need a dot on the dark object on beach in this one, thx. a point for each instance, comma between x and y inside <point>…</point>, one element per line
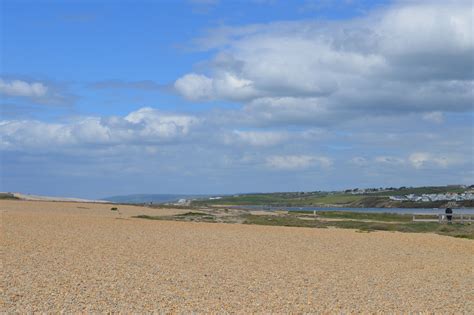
<point>449,215</point>
<point>114,209</point>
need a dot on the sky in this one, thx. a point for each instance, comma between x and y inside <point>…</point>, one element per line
<point>101,98</point>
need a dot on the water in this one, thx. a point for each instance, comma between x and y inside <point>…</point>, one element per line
<point>366,210</point>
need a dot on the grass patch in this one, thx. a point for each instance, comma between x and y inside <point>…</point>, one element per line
<point>194,214</point>
<point>339,199</point>
<point>283,199</point>
<point>455,230</point>
<point>388,217</point>
<point>421,190</point>
<point>281,221</point>
<point>362,222</point>
<point>149,217</point>
<point>189,216</point>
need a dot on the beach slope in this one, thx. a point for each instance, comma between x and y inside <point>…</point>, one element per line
<point>73,257</point>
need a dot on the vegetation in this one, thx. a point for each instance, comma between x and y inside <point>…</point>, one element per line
<point>150,217</point>
<point>8,196</point>
<point>421,190</point>
<point>283,199</point>
<point>400,225</point>
<point>374,197</point>
<point>365,222</point>
<point>189,216</point>
<point>386,217</point>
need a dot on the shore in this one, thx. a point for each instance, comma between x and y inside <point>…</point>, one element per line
<point>83,257</point>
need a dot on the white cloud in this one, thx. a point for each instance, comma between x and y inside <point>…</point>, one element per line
<point>435,117</point>
<point>308,94</point>
<point>408,57</point>
<point>424,159</point>
<point>197,87</point>
<point>269,138</point>
<point>36,91</point>
<point>419,159</point>
<point>293,162</point>
<point>389,160</point>
<point>288,110</point>
<point>156,123</point>
<point>255,138</point>
<point>22,88</point>
<point>194,87</point>
<point>142,127</point>
<point>424,27</point>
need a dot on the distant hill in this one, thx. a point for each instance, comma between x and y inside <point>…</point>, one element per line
<point>147,198</point>
<point>354,198</point>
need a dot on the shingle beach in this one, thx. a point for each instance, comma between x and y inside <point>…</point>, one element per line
<point>79,257</point>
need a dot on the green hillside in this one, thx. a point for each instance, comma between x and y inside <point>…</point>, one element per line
<point>370,198</point>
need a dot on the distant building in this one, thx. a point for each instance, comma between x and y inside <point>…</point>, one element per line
<point>183,202</point>
<point>435,197</point>
<point>398,198</point>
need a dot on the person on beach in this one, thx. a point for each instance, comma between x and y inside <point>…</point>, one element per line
<point>449,214</point>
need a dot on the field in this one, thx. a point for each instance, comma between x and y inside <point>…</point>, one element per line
<point>286,199</point>
<point>81,257</point>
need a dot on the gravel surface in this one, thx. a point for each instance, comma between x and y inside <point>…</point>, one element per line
<point>58,256</point>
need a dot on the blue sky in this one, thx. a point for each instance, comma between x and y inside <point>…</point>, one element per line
<point>113,97</point>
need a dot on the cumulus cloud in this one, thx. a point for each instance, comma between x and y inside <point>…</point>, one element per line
<point>197,87</point>
<point>22,88</point>
<point>255,138</point>
<point>408,57</point>
<point>142,127</point>
<point>38,92</point>
<point>434,37</point>
<point>194,87</point>
<point>277,112</point>
<point>268,138</point>
<point>309,95</point>
<point>417,160</point>
<point>293,162</point>
<point>289,110</point>
<point>423,159</point>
